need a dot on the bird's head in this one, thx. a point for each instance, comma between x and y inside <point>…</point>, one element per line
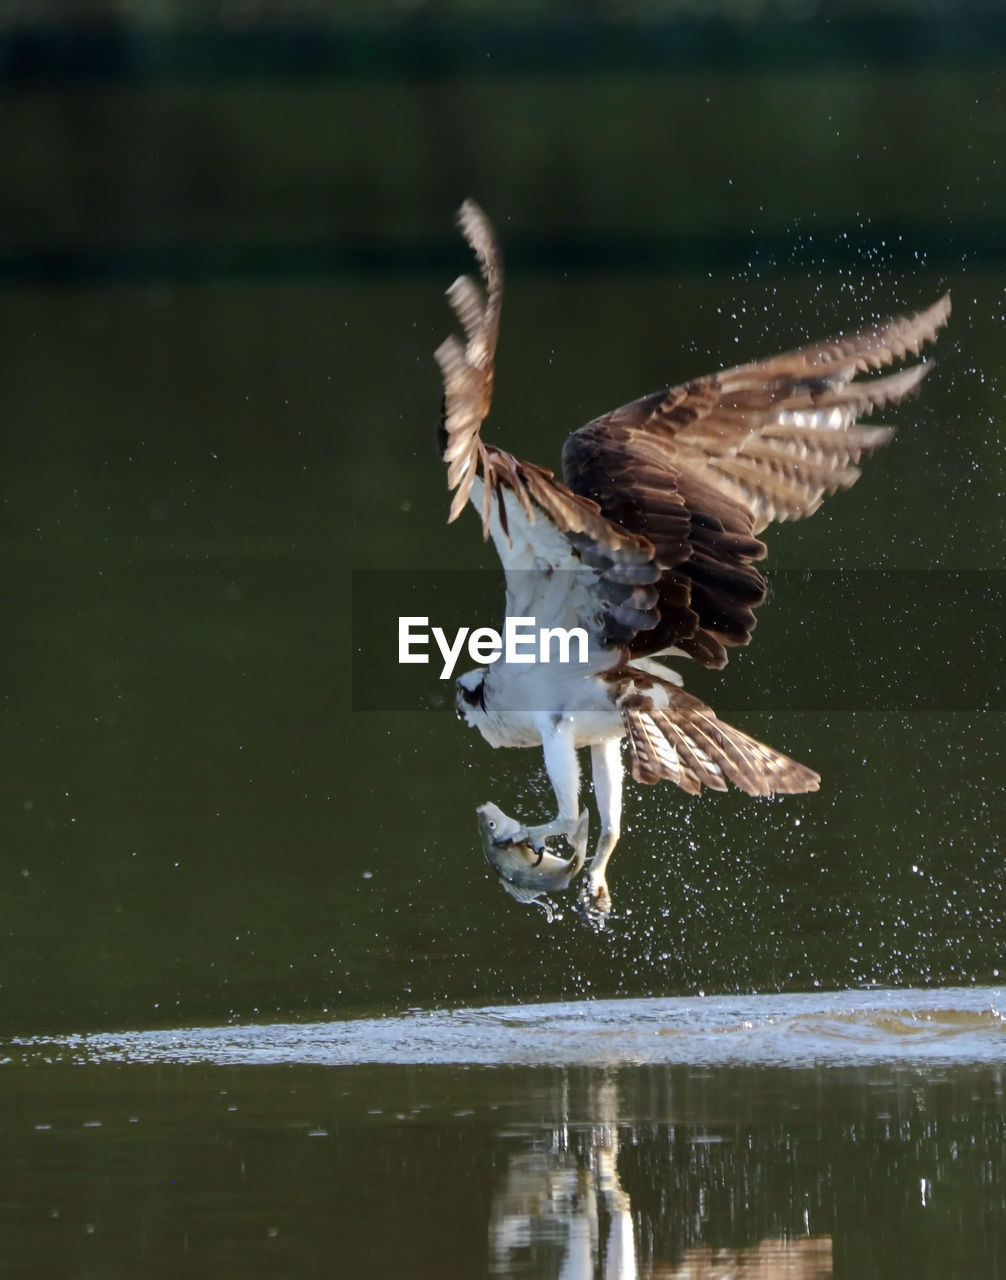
<point>470,702</point>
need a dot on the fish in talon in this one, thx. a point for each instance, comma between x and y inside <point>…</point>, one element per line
<point>525,871</point>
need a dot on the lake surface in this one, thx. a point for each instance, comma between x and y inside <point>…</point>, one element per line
<point>764,1136</point>
<point>264,1012</point>
<point>937,1025</point>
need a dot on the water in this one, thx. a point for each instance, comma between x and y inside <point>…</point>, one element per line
<point>263,1010</point>
<point>767,1136</point>
<point>940,1026</point>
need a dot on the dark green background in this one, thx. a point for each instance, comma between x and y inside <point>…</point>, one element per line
<point>224,241</point>
<point>219,399</point>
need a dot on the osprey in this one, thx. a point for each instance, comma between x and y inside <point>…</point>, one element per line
<point>650,546</point>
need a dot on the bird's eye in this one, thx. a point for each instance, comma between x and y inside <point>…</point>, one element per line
<point>474,697</point>
<point>492,825</point>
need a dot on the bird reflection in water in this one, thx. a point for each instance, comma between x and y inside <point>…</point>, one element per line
<point>561,1211</point>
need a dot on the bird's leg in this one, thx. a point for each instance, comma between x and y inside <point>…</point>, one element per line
<point>563,770</point>
<point>606,766</point>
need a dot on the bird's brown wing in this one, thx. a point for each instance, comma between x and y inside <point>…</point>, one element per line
<point>675,736</point>
<point>467,367</point>
<point>700,469</point>
<point>622,558</point>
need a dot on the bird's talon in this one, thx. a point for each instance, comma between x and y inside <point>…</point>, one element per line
<point>594,903</point>
<point>523,836</point>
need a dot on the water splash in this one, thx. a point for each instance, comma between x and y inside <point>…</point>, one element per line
<point>949,1025</point>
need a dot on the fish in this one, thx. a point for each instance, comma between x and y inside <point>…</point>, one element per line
<point>526,872</point>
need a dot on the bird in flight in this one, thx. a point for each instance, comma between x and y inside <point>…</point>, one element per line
<point>650,546</point>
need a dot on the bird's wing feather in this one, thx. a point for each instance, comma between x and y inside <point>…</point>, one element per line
<point>522,506</point>
<point>674,735</point>
<point>467,366</point>
<point>665,496</point>
<point>700,469</point>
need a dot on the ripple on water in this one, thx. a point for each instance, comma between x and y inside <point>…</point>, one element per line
<point>951,1025</point>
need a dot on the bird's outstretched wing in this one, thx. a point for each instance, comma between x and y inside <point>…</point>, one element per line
<point>700,469</point>
<point>467,367</point>
<point>674,735</point>
<point>522,504</point>
<point>665,496</point>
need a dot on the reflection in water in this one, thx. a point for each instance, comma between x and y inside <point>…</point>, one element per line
<point>542,1173</point>
<point>802,1259</point>
<point>562,1211</point>
<point>566,1203</point>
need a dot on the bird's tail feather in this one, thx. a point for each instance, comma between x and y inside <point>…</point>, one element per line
<point>675,736</point>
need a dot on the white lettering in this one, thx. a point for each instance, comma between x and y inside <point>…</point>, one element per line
<point>521,642</point>
<point>451,653</point>
<point>406,640</point>
<point>513,638</point>
<point>565,636</point>
<point>485,645</point>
